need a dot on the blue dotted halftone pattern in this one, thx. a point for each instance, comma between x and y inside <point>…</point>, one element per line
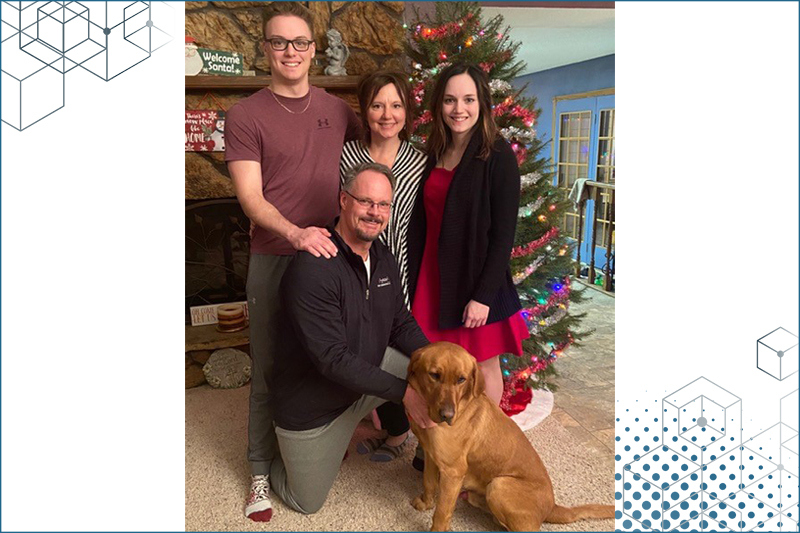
<point>701,485</point>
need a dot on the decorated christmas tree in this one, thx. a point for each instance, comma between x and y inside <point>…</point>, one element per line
<point>541,261</point>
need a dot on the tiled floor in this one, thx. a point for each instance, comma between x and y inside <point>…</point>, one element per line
<point>584,402</point>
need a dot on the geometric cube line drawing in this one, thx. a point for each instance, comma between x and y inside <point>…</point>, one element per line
<point>44,40</point>
<point>767,481</point>
<point>776,353</point>
<point>62,26</point>
<point>56,33</point>
<point>110,27</point>
<point>770,488</point>
<point>704,421</point>
<point>715,480</point>
<point>31,90</point>
<point>789,434</point>
<point>704,417</point>
<point>687,482</point>
<point>662,489</point>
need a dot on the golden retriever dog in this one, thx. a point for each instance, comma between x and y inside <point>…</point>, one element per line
<point>477,448</point>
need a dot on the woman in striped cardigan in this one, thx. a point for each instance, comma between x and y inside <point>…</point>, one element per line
<point>384,99</point>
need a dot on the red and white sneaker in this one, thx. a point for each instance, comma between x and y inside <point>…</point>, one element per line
<point>258,506</point>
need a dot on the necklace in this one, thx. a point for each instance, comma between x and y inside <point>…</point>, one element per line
<point>289,110</point>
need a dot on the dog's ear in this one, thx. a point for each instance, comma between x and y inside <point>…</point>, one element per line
<point>478,385</point>
<point>415,357</point>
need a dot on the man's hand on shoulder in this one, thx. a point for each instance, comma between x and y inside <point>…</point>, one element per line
<point>313,240</point>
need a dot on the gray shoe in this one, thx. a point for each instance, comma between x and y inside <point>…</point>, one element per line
<point>385,453</point>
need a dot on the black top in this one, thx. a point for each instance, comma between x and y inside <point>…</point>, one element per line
<point>480,218</point>
<point>337,330</point>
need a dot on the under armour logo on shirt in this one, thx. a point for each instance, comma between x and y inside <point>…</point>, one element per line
<point>323,123</point>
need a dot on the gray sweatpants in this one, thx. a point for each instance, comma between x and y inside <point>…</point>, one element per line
<point>264,276</point>
<point>309,460</point>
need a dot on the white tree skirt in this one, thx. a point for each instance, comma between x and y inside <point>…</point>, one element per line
<point>541,405</point>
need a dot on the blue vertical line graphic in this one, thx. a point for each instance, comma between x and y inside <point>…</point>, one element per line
<point>1,284</point>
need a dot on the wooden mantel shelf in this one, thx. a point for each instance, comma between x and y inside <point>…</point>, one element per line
<point>259,82</point>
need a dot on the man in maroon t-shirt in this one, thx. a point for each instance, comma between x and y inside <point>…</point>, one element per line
<point>282,146</point>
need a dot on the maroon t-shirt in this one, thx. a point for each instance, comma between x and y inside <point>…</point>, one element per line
<point>299,156</point>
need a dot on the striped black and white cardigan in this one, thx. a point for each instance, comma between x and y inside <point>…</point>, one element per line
<point>407,169</point>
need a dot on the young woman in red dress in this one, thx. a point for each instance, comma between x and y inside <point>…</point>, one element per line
<point>462,228</point>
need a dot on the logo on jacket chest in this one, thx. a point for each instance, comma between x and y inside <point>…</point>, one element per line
<point>323,123</point>
<point>384,282</point>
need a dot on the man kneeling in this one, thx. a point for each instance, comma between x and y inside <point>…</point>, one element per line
<point>335,368</point>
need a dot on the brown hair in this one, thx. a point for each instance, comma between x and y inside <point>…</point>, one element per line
<point>368,88</point>
<point>278,9</point>
<point>441,137</point>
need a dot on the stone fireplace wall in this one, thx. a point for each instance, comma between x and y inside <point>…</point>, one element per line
<point>372,30</point>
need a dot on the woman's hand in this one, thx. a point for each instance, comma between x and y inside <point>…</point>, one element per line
<point>475,314</point>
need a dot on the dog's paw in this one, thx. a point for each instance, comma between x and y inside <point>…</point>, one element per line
<point>421,504</point>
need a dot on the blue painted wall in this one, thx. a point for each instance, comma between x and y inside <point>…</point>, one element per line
<point>582,77</point>
<point>591,75</point>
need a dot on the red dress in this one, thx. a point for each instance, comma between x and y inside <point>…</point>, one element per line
<point>483,343</point>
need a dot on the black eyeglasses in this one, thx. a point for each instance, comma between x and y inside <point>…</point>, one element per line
<point>367,203</point>
<point>279,44</point>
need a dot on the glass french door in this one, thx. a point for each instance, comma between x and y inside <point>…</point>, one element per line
<point>584,148</point>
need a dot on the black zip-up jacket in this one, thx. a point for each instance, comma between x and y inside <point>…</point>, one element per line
<point>477,235</point>
<point>337,330</point>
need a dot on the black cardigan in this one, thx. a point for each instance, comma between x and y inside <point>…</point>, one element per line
<point>480,218</point>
